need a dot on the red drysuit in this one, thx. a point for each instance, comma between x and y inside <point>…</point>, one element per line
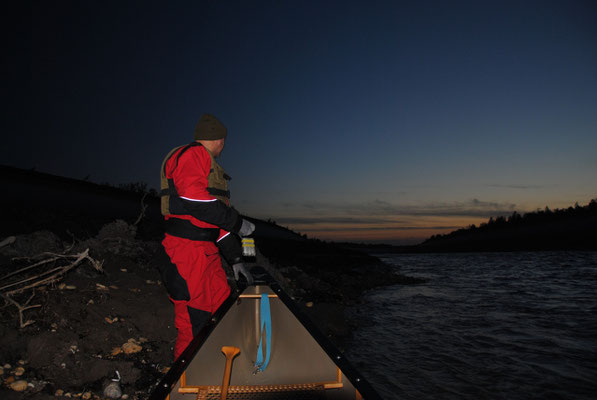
<point>198,219</point>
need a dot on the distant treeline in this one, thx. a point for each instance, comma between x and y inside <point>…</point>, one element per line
<point>572,228</point>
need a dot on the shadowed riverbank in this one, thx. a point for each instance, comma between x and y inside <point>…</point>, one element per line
<point>88,323</point>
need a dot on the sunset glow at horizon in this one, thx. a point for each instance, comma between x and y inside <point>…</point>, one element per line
<point>347,120</point>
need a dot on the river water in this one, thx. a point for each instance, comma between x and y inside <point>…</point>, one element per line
<point>483,326</point>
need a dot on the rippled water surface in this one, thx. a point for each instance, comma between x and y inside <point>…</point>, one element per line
<point>484,326</point>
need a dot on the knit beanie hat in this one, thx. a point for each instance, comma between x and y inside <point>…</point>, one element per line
<point>209,128</point>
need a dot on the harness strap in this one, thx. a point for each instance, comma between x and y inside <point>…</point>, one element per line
<point>226,176</point>
<point>266,324</point>
<point>218,192</point>
<point>185,148</point>
<point>185,229</point>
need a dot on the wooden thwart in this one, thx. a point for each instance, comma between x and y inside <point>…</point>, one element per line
<point>203,391</point>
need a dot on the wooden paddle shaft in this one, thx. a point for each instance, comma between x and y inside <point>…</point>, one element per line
<point>230,352</point>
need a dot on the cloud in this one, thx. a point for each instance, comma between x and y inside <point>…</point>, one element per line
<point>334,220</point>
<point>380,229</point>
<point>521,187</point>
<point>471,208</point>
<point>382,221</point>
<point>379,210</point>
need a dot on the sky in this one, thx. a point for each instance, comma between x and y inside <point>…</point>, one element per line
<point>368,121</point>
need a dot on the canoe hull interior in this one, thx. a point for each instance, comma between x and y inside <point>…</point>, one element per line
<point>299,367</point>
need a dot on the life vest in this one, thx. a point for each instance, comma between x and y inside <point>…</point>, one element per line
<point>171,203</point>
<point>217,183</point>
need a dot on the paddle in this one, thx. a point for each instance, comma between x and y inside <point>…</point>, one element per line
<point>230,352</point>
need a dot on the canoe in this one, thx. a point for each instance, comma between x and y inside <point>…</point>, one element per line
<point>234,357</point>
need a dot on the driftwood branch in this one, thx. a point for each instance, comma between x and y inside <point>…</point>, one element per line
<point>7,241</point>
<point>143,209</point>
<point>28,268</point>
<point>44,277</point>
<point>22,308</point>
<point>50,276</point>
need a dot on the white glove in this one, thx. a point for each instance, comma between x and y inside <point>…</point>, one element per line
<point>240,267</point>
<point>247,228</point>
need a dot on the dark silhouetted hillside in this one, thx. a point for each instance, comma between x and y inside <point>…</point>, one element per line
<point>35,201</point>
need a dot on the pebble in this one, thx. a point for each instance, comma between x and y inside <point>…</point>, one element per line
<point>131,347</point>
<point>86,396</point>
<point>18,386</point>
<point>113,390</point>
<point>70,287</point>
<point>124,396</point>
<point>62,286</point>
<point>19,371</point>
<point>9,380</point>
<point>22,362</point>
<point>7,366</point>
<point>309,304</point>
<point>58,392</point>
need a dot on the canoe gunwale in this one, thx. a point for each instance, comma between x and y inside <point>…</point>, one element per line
<point>357,380</point>
<point>183,361</point>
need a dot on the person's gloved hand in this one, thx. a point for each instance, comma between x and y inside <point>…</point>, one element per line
<point>247,228</point>
<point>240,267</point>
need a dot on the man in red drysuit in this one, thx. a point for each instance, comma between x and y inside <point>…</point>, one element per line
<point>199,224</point>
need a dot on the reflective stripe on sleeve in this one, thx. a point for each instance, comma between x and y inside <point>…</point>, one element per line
<point>189,199</point>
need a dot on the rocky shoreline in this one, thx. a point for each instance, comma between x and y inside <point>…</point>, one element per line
<point>93,326</point>
<point>89,323</point>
